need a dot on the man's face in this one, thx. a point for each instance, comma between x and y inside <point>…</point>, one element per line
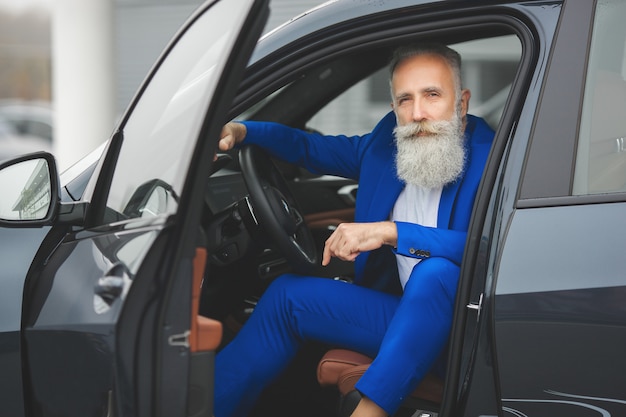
<point>423,89</point>
<point>429,135</point>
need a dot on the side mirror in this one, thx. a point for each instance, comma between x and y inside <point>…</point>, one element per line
<point>150,199</point>
<point>29,191</point>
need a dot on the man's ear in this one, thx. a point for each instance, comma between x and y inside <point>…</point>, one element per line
<point>465,98</point>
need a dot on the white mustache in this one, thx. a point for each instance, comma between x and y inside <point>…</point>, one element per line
<point>427,127</point>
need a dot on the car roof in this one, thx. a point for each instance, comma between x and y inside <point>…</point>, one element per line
<point>334,12</point>
<point>298,42</point>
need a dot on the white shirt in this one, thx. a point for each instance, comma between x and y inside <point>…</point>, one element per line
<point>415,205</point>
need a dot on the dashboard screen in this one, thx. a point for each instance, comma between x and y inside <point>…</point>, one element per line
<point>224,189</point>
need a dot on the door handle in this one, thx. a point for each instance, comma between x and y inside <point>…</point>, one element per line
<point>476,306</point>
<point>111,285</point>
<point>109,288</point>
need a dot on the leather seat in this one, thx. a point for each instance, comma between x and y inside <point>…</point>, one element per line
<point>343,368</point>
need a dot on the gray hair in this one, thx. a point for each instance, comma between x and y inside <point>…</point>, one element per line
<point>452,58</point>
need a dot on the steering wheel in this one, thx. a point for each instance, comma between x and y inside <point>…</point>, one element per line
<point>274,209</point>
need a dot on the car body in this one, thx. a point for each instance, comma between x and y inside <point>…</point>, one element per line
<point>100,313</point>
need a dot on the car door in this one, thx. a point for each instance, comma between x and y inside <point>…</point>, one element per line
<point>551,323</point>
<point>560,321</point>
<point>107,313</point>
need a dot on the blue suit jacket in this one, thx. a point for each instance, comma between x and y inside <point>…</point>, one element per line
<point>369,159</point>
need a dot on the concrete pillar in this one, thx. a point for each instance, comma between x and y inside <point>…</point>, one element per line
<point>83,80</point>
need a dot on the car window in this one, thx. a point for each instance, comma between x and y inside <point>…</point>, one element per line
<point>489,67</point>
<point>601,155</point>
<point>159,136</point>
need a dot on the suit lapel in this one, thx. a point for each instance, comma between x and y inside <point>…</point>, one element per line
<point>448,196</point>
<point>451,191</point>
<point>385,193</point>
<point>389,187</point>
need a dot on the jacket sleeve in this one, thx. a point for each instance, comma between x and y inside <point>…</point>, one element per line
<point>423,242</point>
<point>332,155</point>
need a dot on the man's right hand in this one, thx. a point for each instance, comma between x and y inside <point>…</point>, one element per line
<point>350,239</point>
<point>232,134</point>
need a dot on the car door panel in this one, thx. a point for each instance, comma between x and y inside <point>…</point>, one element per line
<point>70,326</point>
<point>554,343</point>
<point>17,249</point>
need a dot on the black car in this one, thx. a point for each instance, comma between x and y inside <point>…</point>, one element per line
<point>121,280</point>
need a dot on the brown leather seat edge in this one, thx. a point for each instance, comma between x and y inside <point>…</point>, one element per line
<point>343,368</point>
<point>206,333</point>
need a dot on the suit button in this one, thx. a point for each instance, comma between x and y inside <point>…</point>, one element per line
<point>412,251</point>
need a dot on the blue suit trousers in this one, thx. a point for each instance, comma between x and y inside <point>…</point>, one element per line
<point>405,334</point>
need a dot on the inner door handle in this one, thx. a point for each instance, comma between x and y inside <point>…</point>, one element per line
<point>111,285</point>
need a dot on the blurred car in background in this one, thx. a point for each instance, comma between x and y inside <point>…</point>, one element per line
<point>25,127</point>
<point>29,118</point>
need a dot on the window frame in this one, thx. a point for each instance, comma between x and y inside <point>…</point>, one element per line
<point>561,100</point>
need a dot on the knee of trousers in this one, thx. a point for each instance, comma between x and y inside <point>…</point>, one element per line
<point>283,286</point>
<point>433,277</point>
<point>282,295</point>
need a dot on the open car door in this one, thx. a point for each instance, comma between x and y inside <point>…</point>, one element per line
<point>108,319</point>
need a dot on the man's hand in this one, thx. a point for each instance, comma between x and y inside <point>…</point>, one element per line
<point>232,134</point>
<point>350,239</point>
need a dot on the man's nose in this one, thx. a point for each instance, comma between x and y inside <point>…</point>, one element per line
<point>419,112</point>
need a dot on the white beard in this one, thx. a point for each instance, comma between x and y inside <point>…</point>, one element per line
<point>434,160</point>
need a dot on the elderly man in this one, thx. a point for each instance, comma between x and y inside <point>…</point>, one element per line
<point>418,174</point>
